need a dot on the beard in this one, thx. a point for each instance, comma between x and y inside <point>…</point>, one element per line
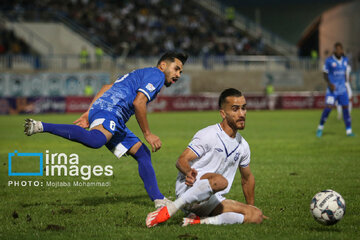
<point>235,125</point>
<point>167,75</point>
<point>167,84</point>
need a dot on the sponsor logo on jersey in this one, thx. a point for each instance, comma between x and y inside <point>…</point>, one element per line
<point>219,149</point>
<point>150,87</point>
<point>339,72</point>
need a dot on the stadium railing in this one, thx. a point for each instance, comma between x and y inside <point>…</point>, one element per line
<point>84,33</point>
<point>67,62</point>
<point>252,28</point>
<point>52,16</point>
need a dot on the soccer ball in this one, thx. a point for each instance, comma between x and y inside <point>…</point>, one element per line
<point>327,207</point>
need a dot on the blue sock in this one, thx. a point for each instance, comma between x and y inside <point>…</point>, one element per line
<point>347,118</point>
<point>147,173</point>
<point>93,138</point>
<point>324,115</point>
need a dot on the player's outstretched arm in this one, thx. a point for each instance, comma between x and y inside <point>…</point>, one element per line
<point>248,184</point>
<point>183,166</point>
<point>83,120</point>
<point>140,114</point>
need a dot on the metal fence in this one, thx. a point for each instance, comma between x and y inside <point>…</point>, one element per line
<point>72,62</point>
<point>254,29</point>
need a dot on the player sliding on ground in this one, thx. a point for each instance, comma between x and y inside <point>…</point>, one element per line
<point>207,169</point>
<point>111,109</point>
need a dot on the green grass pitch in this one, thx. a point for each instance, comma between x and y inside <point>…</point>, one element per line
<point>289,163</point>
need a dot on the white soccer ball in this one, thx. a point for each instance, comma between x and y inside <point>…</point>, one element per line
<point>327,207</point>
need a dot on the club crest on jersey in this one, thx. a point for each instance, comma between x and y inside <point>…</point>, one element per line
<point>219,149</point>
<point>150,87</point>
<point>334,64</point>
<point>237,155</point>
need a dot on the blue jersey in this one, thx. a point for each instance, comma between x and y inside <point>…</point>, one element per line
<point>336,70</point>
<point>120,97</point>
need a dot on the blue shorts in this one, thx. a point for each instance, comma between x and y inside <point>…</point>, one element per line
<point>122,140</point>
<point>342,99</point>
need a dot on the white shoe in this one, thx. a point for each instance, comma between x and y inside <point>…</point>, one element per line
<point>161,202</point>
<point>32,127</point>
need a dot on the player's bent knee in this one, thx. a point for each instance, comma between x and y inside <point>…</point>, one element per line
<point>142,155</point>
<point>96,139</point>
<point>222,183</point>
<point>96,146</point>
<point>134,149</point>
<point>218,182</point>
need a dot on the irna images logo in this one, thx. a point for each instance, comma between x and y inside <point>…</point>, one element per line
<point>10,163</point>
<point>56,164</point>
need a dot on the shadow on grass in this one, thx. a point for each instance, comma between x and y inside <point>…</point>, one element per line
<point>142,200</point>
<point>25,205</point>
<point>324,229</point>
<point>329,133</point>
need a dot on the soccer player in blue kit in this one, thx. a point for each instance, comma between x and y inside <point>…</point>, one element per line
<point>335,70</point>
<point>112,107</point>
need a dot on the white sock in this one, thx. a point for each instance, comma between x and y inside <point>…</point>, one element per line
<point>224,218</point>
<point>175,206</point>
<point>200,191</point>
<point>339,111</point>
<point>350,107</point>
<point>321,127</point>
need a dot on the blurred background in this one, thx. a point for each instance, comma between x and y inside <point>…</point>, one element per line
<point>55,55</point>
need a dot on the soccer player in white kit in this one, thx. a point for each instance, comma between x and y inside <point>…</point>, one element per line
<point>207,169</point>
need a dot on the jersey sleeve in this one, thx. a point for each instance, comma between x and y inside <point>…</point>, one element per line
<point>151,85</point>
<point>327,66</point>
<point>199,144</point>
<point>245,159</point>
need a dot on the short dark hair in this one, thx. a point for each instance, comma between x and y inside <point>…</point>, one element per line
<point>170,56</point>
<point>230,92</point>
<point>338,44</point>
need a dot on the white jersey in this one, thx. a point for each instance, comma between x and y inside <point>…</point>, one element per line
<point>217,153</point>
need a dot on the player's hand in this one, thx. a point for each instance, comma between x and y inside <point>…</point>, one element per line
<point>83,120</point>
<point>332,87</point>
<point>154,141</point>
<point>191,177</point>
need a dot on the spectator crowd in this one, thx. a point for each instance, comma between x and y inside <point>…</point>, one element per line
<point>148,26</point>
<point>10,44</point>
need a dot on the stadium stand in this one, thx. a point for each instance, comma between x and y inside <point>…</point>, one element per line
<point>150,26</point>
<point>11,44</point>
